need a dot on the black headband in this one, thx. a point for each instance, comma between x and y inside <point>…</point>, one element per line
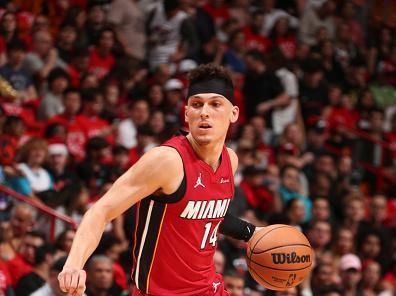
<point>215,85</point>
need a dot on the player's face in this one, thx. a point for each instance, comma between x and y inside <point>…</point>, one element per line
<point>209,116</point>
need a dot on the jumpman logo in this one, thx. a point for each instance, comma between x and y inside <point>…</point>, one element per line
<point>199,182</point>
<point>215,285</point>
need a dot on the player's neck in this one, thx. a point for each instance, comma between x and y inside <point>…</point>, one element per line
<point>210,153</point>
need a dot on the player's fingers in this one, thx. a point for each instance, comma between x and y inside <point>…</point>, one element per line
<point>61,281</point>
<point>67,280</point>
<point>81,283</point>
<point>74,281</point>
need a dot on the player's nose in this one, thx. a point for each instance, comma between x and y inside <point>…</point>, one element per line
<point>204,111</point>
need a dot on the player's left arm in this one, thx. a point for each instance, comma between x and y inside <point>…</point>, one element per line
<point>233,226</point>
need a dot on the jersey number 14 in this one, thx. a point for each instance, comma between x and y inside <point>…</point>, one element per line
<point>213,236</point>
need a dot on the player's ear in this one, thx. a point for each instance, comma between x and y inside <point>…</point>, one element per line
<point>186,113</point>
<point>234,114</point>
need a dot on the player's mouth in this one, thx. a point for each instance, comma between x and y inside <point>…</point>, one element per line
<point>204,126</point>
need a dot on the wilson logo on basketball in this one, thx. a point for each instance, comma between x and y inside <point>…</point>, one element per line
<point>282,258</point>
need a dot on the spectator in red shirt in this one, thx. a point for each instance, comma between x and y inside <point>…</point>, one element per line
<point>23,261</point>
<point>254,38</point>
<point>101,58</point>
<point>79,66</point>
<point>282,37</point>
<point>13,129</point>
<point>90,119</point>
<point>218,10</point>
<point>75,137</point>
<point>257,195</point>
<point>5,279</point>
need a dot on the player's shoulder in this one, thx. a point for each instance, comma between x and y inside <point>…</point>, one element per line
<point>163,155</point>
<point>233,158</point>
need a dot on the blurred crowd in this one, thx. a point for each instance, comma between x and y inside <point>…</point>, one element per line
<point>88,86</point>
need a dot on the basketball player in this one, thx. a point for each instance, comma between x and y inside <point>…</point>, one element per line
<point>182,190</point>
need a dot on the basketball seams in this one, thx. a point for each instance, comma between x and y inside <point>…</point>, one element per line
<point>282,226</point>
<point>270,249</point>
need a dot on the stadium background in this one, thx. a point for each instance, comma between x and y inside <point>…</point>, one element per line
<point>87,86</point>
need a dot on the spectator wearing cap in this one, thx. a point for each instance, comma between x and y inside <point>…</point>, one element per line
<point>351,272</point>
<point>174,104</point>
<point>15,74</point>
<point>51,104</point>
<point>58,166</point>
<point>138,115</point>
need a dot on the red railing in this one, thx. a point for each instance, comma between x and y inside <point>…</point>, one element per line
<point>41,207</point>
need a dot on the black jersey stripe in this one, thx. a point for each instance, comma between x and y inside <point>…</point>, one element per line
<point>143,208</point>
<point>147,255</point>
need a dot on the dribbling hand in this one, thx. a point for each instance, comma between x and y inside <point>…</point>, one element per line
<point>72,281</point>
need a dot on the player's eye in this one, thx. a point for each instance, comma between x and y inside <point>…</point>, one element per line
<point>196,104</point>
<point>216,104</point>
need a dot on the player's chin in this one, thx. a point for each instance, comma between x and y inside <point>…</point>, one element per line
<point>203,139</point>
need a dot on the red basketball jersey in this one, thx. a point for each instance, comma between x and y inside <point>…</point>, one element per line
<point>175,235</point>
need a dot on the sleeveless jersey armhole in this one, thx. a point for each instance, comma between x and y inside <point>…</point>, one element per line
<point>180,191</point>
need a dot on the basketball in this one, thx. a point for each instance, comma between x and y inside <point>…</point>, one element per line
<point>279,257</point>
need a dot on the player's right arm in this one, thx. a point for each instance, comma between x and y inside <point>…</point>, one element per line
<point>159,169</point>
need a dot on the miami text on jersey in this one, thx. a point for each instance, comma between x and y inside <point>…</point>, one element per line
<point>206,209</point>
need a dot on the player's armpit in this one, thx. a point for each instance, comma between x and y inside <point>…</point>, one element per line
<point>159,169</point>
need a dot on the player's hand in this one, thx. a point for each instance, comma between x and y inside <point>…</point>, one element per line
<point>72,281</point>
